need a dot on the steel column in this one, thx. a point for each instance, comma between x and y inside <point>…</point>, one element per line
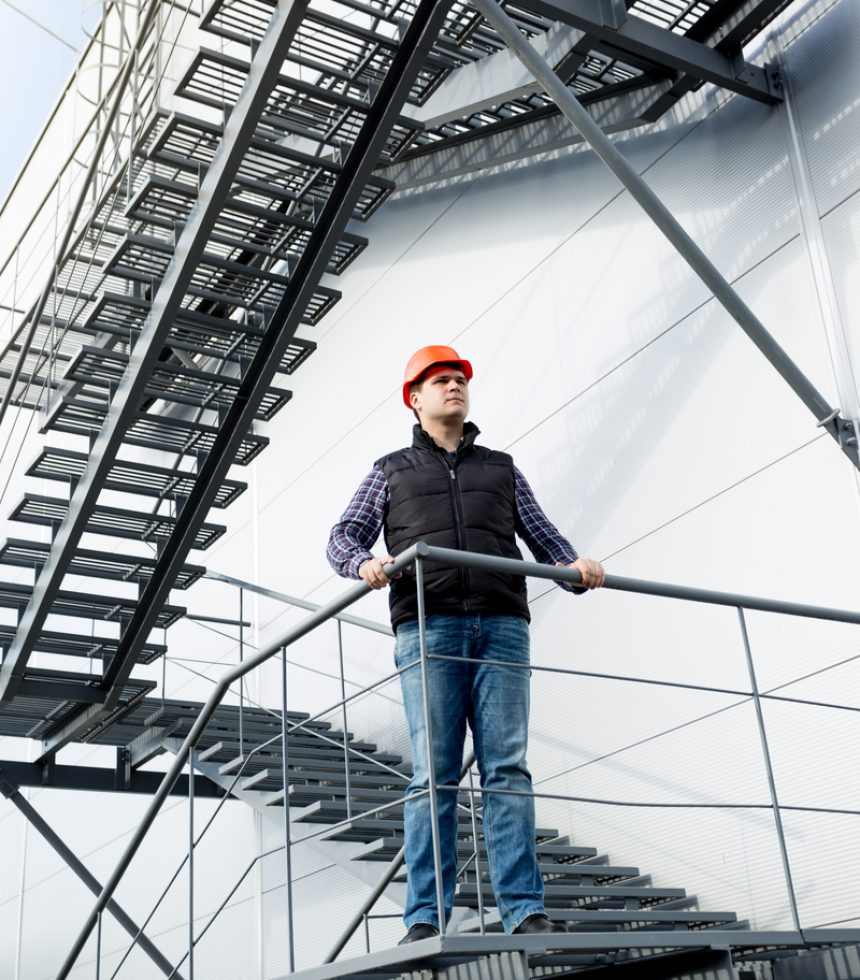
<point>825,415</point>
<point>238,133</point>
<point>34,818</point>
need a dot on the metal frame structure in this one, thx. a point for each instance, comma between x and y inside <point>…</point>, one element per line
<point>188,267</point>
<point>180,297</point>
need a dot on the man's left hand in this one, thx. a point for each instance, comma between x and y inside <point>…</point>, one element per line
<point>591,571</point>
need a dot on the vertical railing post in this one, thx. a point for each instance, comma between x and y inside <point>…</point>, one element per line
<point>343,711</point>
<point>242,678</point>
<point>777,816</point>
<point>477,849</point>
<point>285,770</point>
<point>428,730</point>
<point>366,931</point>
<point>99,947</point>
<point>191,865</point>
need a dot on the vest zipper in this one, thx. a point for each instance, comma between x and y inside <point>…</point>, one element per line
<point>460,528</point>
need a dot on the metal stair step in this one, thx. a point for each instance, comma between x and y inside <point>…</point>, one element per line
<point>570,874</point>
<point>84,605</point>
<point>215,78</point>
<point>116,522</point>
<point>193,331</point>
<point>47,698</point>
<point>555,895</point>
<point>98,564</point>
<point>242,224</point>
<point>165,433</point>
<point>370,828</point>
<point>272,170</point>
<point>256,721</point>
<point>143,479</point>
<point>216,279</point>
<point>97,371</point>
<point>654,917</point>
<point>69,644</point>
<point>384,849</point>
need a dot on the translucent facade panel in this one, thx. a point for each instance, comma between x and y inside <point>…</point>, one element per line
<point>816,35</point>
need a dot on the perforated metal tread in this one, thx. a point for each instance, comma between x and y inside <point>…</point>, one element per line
<point>116,522</point>
<point>243,225</point>
<point>273,172</point>
<point>98,370</point>
<point>80,645</point>
<point>97,564</point>
<point>194,332</point>
<point>85,605</point>
<point>51,697</point>
<point>149,431</point>
<point>129,476</point>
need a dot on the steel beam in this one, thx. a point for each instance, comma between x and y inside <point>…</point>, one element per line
<point>630,35</point>
<point>493,145</point>
<point>12,793</point>
<point>825,415</point>
<point>98,779</point>
<point>356,170</point>
<point>238,133</point>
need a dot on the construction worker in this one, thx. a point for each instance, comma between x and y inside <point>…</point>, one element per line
<point>447,491</point>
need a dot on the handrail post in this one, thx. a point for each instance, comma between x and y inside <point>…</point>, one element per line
<point>477,855</point>
<point>99,947</point>
<point>777,817</point>
<point>343,712</point>
<point>428,732</point>
<point>191,864</point>
<point>285,771</point>
<point>242,678</point>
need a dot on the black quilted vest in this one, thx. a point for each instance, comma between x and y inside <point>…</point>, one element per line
<point>467,503</point>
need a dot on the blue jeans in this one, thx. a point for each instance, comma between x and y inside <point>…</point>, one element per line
<point>495,702</point>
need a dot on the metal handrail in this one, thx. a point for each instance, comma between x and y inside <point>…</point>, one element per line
<point>291,600</point>
<point>418,551</point>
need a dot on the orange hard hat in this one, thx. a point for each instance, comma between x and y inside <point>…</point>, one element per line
<point>422,360</point>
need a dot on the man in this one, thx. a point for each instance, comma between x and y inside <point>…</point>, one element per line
<point>450,492</point>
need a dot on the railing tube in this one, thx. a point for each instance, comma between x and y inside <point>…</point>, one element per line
<point>346,772</point>
<point>285,770</point>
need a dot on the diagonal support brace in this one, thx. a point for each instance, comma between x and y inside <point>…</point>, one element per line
<point>12,793</point>
<point>842,430</point>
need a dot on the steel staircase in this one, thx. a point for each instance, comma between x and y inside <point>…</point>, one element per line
<point>168,332</point>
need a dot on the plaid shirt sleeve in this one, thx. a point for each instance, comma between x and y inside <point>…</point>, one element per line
<point>543,538</point>
<point>359,527</point>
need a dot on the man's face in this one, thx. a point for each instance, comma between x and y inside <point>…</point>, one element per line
<point>442,396</point>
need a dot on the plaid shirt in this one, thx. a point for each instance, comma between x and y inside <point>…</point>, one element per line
<point>360,525</point>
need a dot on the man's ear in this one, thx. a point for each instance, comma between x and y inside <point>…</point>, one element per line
<point>414,399</point>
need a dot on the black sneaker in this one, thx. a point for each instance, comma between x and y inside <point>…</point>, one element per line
<point>537,924</point>
<point>421,930</point>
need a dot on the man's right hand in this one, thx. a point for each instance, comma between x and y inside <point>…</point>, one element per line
<point>372,573</point>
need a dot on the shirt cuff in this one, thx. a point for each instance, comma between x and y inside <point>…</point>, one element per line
<point>356,561</point>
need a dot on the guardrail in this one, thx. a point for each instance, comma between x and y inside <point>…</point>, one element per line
<point>418,554</point>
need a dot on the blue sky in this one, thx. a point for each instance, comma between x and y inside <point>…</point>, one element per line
<point>34,68</point>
